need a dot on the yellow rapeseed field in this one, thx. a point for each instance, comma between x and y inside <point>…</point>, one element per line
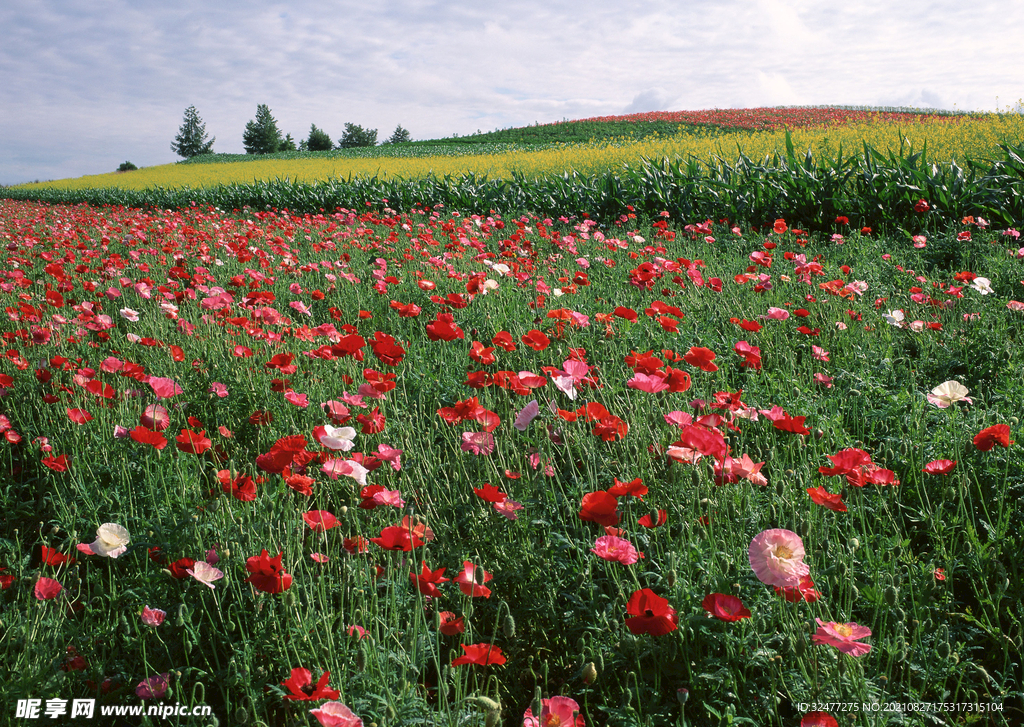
<point>955,138</point>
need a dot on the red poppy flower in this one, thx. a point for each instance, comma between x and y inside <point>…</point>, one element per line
<point>751,355</point>
<point>503,340</point>
<point>443,328</point>
<point>821,496</point>
<point>79,416</point>
<point>989,437</point>
<point>373,423</point>
<point>651,614</point>
<point>384,347</point>
<point>302,689</point>
<point>320,520</point>
<point>395,537</point>
<point>241,487</point>
<point>804,591</point>
<point>267,574</point>
<point>427,580</point>
<point>57,464</point>
<point>600,507</point>
<point>450,625</point>
<point>818,719</point>
<point>483,356</point>
<point>490,493</point>
<point>480,654</point>
<point>281,454</point>
<point>179,568</point>
<point>193,442</point>
<point>654,522</point>
<point>468,583</point>
<point>939,467</point>
<point>725,607</point>
<point>628,313</point>
<point>791,424</point>
<point>49,556</point>
<point>635,487</point>
<point>146,436</point>
<point>536,340</point>
<point>701,358</point>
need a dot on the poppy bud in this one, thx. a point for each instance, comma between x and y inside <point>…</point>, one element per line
<point>391,713</point>
<point>891,596</point>
<point>854,543</point>
<point>682,694</point>
<point>671,577</point>
<point>360,659</point>
<point>508,626</point>
<point>900,614</point>
<point>855,392</point>
<point>855,592</point>
<point>589,673</point>
<point>536,706</point>
<point>800,647</point>
<point>943,650</point>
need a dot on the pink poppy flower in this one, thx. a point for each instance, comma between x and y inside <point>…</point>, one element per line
<point>615,549</point>
<point>155,687</point>
<point>218,389</point>
<point>561,711</point>
<point>153,617</point>
<point>205,573</point>
<point>335,468</point>
<point>479,443</point>
<point>299,400</point>
<point>778,314</point>
<point>777,558</point>
<point>843,636</point>
<point>526,415</point>
<point>508,508</point>
<point>391,455</point>
<point>163,387</point>
<point>336,714</point>
<point>819,353</point>
<point>46,589</point>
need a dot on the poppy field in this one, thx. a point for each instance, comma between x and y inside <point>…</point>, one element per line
<point>427,467</point>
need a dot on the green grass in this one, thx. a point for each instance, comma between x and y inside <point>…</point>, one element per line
<point>555,607</point>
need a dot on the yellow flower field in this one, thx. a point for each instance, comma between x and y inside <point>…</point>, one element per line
<point>953,138</point>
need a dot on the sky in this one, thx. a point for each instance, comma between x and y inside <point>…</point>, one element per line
<point>88,84</point>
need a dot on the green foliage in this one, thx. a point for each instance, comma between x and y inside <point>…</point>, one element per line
<point>318,140</point>
<point>261,135</point>
<point>288,144</point>
<point>356,135</point>
<point>399,136</point>
<point>126,167</point>
<point>191,140</point>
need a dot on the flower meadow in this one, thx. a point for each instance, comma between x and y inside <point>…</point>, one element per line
<point>402,467</point>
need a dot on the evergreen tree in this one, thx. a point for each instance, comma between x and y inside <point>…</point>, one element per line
<point>400,136</point>
<point>318,139</point>
<point>191,139</point>
<point>262,136</point>
<point>288,144</point>
<point>357,136</point>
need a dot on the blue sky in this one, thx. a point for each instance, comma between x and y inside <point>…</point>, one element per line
<point>88,84</point>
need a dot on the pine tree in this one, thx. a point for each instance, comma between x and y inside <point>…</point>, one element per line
<point>356,135</point>
<point>318,139</point>
<point>191,139</point>
<point>400,136</point>
<point>262,136</point>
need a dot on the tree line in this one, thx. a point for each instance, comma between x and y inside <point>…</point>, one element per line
<point>262,136</point>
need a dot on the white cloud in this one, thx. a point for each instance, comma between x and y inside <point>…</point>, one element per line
<point>89,85</point>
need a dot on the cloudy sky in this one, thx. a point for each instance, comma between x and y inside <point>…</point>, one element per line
<point>88,84</point>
